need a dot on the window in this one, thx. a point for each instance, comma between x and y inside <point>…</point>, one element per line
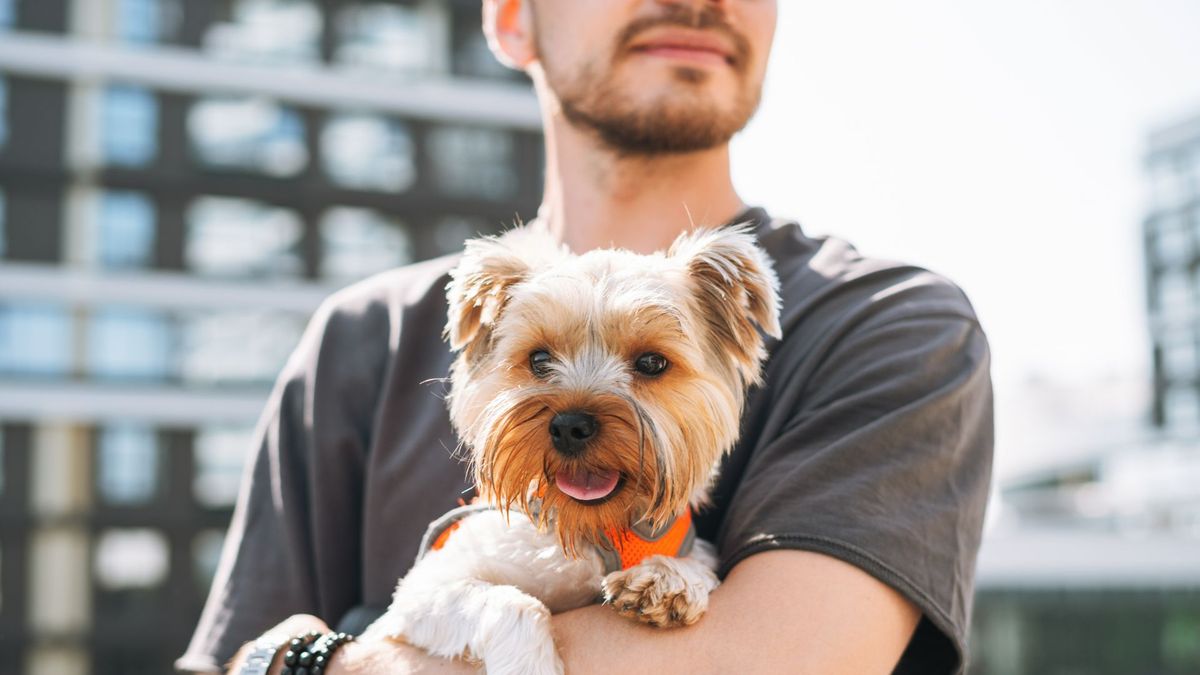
<point>125,230</point>
<point>219,453</point>
<point>242,238</point>
<point>268,32</point>
<point>127,460</point>
<point>1179,355</point>
<point>357,243</point>
<point>206,555</point>
<point>3,106</point>
<point>385,37</point>
<point>7,14</point>
<point>1169,180</point>
<point>3,220</point>
<point>131,559</point>
<point>128,343</point>
<point>236,347</point>
<point>1174,291</point>
<point>472,56</point>
<point>34,340</point>
<point>1173,241</point>
<point>146,21</point>
<point>472,162</point>
<point>249,134</point>
<point>368,152</point>
<point>129,126</point>
<point>1182,406</point>
<point>452,232</point>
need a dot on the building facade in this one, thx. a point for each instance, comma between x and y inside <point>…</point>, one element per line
<point>1172,243</point>
<point>181,183</point>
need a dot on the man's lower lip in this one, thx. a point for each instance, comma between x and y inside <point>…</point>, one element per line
<point>698,56</point>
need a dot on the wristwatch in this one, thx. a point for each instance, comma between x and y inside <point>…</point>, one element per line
<point>259,660</point>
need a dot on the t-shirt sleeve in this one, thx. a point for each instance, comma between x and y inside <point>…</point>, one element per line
<point>293,544</point>
<point>883,460</point>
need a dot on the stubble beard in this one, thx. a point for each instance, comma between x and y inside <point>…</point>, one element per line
<point>682,119</point>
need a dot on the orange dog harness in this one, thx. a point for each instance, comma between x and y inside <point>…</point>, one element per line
<point>622,548</point>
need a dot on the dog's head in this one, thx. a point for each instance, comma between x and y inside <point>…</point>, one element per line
<point>608,384</point>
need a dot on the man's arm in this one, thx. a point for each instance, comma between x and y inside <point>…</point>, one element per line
<point>777,612</point>
<point>782,611</point>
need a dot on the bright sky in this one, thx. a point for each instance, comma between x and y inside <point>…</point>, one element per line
<point>996,143</point>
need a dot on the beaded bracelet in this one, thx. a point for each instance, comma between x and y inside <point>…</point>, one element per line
<point>311,658</point>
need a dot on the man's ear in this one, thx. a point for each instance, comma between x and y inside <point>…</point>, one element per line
<point>736,291</point>
<point>508,25</point>
<point>480,283</point>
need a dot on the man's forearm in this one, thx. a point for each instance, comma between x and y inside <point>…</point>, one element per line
<point>779,612</point>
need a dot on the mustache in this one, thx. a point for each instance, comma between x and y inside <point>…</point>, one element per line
<point>684,16</point>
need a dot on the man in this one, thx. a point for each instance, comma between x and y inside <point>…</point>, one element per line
<point>847,518</point>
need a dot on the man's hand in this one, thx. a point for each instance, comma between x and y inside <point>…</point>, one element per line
<point>359,658</point>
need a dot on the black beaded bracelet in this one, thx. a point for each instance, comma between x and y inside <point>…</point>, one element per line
<point>312,657</point>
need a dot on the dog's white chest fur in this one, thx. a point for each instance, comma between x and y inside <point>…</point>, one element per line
<point>514,553</point>
<point>488,593</point>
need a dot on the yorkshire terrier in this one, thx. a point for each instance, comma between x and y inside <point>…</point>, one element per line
<point>596,394</point>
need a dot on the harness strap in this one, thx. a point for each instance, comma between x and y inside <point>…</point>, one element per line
<point>621,549</point>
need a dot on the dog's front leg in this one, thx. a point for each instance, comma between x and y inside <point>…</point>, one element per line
<point>506,629</point>
<point>664,591</point>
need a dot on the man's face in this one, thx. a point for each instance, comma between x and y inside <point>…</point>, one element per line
<point>655,76</point>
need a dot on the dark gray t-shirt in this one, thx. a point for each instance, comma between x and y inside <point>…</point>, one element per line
<point>871,441</point>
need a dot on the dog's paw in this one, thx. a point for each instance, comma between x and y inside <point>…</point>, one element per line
<point>661,591</point>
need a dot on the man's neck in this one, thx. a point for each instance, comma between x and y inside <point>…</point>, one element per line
<point>594,198</point>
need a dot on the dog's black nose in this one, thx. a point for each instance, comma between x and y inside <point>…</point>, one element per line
<point>571,431</point>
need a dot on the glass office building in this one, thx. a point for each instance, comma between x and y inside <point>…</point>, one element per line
<point>1171,233</point>
<point>1094,565</point>
<point>181,183</point>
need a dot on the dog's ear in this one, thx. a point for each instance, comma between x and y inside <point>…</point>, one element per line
<point>736,290</point>
<point>480,283</point>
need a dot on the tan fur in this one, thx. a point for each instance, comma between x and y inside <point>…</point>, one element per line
<point>701,305</point>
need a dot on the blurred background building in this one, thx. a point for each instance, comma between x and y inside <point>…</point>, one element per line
<point>1092,563</point>
<point>181,183</point>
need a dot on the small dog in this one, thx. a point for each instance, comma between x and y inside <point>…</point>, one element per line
<point>597,394</point>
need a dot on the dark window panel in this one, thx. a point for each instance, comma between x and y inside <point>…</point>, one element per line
<point>470,56</point>
<point>48,16</point>
<point>3,223</point>
<point>3,107</point>
<point>15,524</point>
<point>32,226</point>
<point>37,112</point>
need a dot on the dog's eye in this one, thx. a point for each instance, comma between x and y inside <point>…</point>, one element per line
<point>539,363</point>
<point>651,364</point>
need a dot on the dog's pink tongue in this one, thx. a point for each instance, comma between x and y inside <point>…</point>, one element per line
<point>586,485</point>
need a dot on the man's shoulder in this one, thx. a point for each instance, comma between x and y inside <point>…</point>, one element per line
<point>396,289</point>
<point>364,319</point>
<point>828,280</point>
